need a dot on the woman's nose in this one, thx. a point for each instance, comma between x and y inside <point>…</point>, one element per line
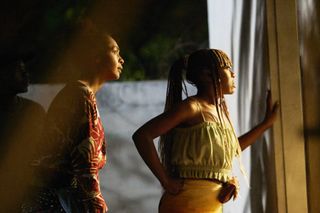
<point>121,60</point>
<point>233,75</point>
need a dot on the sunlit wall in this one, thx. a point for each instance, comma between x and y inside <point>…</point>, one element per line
<point>309,36</point>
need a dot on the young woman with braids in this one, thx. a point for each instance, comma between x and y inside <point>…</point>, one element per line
<point>198,142</point>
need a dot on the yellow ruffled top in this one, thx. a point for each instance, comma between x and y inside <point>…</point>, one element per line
<point>205,150</point>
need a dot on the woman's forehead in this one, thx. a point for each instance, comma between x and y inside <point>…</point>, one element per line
<point>111,43</point>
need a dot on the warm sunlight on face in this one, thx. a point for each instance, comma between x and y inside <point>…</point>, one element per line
<point>227,77</point>
<point>111,64</point>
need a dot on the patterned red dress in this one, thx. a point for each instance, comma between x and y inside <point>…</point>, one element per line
<point>73,151</point>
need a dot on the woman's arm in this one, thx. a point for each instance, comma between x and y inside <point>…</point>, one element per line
<point>143,139</point>
<point>271,114</point>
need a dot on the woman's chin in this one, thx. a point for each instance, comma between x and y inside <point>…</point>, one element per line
<point>230,92</point>
<point>112,77</point>
<point>117,76</point>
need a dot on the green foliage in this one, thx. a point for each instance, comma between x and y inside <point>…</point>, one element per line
<point>155,54</point>
<point>132,71</point>
<point>151,34</point>
<point>166,31</point>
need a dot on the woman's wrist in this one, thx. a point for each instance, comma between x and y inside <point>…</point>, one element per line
<point>267,123</point>
<point>164,181</point>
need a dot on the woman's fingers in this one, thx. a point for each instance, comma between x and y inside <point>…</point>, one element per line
<point>174,186</point>
<point>271,110</point>
<point>269,102</point>
<point>235,182</point>
<point>276,107</point>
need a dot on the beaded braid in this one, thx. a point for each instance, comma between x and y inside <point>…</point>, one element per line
<point>176,84</point>
<point>220,60</point>
<point>175,87</point>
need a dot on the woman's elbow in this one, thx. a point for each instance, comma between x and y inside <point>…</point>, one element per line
<point>135,136</point>
<point>141,136</point>
<point>138,136</point>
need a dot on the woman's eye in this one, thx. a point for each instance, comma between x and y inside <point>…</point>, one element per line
<point>115,51</point>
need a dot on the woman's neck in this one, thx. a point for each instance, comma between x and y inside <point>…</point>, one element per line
<point>207,94</point>
<point>93,84</point>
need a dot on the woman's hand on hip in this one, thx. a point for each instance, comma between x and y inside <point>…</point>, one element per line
<point>173,186</point>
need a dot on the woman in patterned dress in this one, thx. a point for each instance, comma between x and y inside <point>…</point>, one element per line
<point>74,146</point>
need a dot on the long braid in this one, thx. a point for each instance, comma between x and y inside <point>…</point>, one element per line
<point>221,60</point>
<point>175,87</point>
<point>217,94</point>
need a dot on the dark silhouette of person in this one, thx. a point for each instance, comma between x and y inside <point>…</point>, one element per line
<point>21,122</point>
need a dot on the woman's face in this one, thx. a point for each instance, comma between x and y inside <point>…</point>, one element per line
<point>227,77</point>
<point>110,65</point>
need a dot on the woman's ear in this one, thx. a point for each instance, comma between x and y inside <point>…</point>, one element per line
<point>97,59</point>
<point>206,73</point>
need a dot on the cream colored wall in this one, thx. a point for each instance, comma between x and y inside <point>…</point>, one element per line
<point>309,36</point>
<point>285,74</point>
<point>312,142</point>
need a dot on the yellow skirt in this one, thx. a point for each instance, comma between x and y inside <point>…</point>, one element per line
<point>198,196</point>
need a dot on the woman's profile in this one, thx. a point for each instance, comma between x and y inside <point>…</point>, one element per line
<point>74,146</point>
<point>198,142</point>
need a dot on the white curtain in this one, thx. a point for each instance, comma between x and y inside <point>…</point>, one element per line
<point>239,28</point>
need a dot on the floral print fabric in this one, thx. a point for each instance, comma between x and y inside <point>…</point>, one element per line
<point>74,151</point>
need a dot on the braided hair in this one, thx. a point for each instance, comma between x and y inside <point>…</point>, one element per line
<point>193,65</point>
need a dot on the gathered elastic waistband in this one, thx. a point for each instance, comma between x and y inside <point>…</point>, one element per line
<point>201,182</point>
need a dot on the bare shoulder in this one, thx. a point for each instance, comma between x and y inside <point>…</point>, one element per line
<point>191,107</point>
<point>186,108</point>
<point>182,114</point>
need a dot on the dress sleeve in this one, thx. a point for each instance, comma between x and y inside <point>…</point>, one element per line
<point>88,156</point>
<point>73,147</point>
